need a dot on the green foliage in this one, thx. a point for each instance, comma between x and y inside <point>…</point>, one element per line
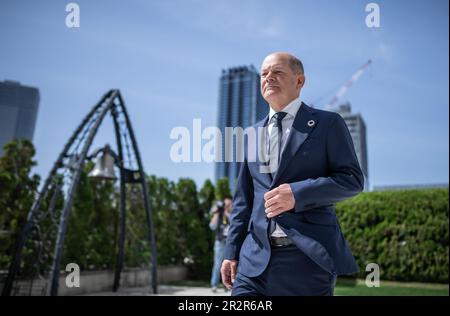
<point>137,250</point>
<point>17,190</point>
<point>193,228</point>
<point>182,232</point>
<point>222,189</point>
<point>206,196</point>
<point>405,232</point>
<point>92,229</point>
<point>162,197</point>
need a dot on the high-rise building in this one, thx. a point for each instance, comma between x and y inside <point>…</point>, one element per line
<point>357,128</point>
<point>240,105</point>
<point>18,111</point>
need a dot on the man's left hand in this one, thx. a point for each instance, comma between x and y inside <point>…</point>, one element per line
<point>279,200</point>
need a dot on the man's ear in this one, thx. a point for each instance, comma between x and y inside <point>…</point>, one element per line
<point>301,80</point>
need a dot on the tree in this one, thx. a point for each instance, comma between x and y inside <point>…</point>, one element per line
<point>206,196</point>
<point>162,200</point>
<point>223,189</point>
<point>194,229</point>
<point>206,199</point>
<point>17,192</point>
<point>92,230</point>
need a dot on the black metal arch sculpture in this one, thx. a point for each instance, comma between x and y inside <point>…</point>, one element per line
<point>39,242</point>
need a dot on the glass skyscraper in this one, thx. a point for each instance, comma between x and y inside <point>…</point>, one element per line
<point>18,111</point>
<point>240,105</point>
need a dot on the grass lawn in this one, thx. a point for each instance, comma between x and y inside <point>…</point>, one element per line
<point>390,288</point>
<point>345,287</point>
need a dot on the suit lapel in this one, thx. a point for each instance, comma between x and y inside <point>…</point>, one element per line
<point>305,121</point>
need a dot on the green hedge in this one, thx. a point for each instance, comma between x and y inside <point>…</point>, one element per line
<point>404,232</point>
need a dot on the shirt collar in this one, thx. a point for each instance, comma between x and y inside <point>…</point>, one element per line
<point>291,109</point>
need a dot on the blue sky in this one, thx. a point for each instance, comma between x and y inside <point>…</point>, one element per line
<point>166,58</point>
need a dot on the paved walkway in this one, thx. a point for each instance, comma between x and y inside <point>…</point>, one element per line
<point>165,290</point>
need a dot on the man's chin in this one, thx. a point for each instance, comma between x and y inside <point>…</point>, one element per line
<point>271,91</point>
<point>270,96</point>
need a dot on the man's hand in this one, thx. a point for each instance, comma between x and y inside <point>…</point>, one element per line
<point>228,271</point>
<point>279,200</point>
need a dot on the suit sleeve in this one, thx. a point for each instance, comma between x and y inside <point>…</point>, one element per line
<point>345,176</point>
<point>240,214</point>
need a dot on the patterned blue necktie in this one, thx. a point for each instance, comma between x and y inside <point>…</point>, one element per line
<point>275,149</point>
<point>275,141</point>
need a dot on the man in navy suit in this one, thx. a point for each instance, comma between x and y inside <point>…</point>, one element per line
<point>284,237</point>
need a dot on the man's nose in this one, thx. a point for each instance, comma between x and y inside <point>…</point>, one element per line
<point>270,78</point>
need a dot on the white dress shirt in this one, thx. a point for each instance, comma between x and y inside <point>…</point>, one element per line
<point>286,125</point>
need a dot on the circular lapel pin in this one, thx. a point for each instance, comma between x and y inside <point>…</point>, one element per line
<point>311,123</point>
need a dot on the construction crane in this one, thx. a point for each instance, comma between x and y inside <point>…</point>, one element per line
<point>344,88</point>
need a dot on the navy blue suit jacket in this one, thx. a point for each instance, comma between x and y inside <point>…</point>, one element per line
<point>320,165</point>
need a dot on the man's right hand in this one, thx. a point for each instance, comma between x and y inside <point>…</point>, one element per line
<point>228,271</point>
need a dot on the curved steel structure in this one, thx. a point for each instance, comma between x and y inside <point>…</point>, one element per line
<point>40,245</point>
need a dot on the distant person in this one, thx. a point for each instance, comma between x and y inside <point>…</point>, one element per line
<point>219,224</point>
<point>284,237</point>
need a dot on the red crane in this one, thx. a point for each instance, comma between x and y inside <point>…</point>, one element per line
<point>345,87</point>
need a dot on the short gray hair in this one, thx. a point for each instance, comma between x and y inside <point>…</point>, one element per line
<point>296,64</point>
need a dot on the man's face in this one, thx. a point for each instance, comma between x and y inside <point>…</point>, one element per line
<point>279,84</point>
